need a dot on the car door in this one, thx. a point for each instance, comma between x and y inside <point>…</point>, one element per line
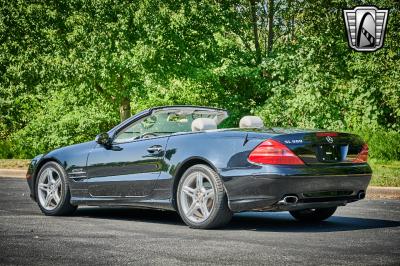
<point>128,169</point>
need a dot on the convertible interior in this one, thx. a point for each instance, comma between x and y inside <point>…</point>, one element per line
<point>169,121</point>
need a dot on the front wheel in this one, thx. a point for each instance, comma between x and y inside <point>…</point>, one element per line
<point>52,191</point>
<point>201,198</point>
<point>313,215</point>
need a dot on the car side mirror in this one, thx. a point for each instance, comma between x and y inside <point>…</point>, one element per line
<point>103,139</point>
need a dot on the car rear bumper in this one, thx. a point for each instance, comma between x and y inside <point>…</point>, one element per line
<point>254,190</point>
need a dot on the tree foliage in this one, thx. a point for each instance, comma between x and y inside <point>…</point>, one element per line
<point>72,69</point>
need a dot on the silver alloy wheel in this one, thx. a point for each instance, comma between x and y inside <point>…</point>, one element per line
<point>49,189</point>
<point>197,197</point>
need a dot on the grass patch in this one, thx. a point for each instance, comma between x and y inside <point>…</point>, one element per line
<point>385,174</point>
<point>14,163</point>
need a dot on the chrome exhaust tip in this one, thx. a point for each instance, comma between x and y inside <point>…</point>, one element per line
<point>361,195</point>
<point>288,200</point>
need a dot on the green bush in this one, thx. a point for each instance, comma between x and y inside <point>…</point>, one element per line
<point>383,145</point>
<point>6,150</point>
<point>65,120</point>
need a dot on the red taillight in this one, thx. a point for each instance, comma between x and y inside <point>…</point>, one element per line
<point>362,156</point>
<point>327,134</point>
<point>273,152</point>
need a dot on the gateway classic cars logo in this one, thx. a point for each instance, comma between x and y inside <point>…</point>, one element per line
<point>365,27</point>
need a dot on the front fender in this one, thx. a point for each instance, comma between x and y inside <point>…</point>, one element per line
<point>70,158</point>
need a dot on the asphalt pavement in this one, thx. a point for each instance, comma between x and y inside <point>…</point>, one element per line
<point>362,233</point>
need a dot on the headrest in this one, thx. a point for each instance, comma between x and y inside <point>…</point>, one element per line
<point>251,122</point>
<point>200,124</point>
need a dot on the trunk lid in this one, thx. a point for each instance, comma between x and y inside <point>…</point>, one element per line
<point>323,147</point>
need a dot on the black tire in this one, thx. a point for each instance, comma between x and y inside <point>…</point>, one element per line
<point>64,207</point>
<point>313,215</point>
<point>220,214</point>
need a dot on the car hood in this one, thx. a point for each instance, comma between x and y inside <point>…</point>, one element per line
<point>85,146</point>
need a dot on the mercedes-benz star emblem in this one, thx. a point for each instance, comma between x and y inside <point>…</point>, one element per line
<point>329,139</point>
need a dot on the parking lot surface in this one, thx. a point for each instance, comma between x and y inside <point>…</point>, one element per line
<point>362,233</point>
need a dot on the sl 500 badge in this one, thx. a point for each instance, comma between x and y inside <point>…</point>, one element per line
<point>293,141</point>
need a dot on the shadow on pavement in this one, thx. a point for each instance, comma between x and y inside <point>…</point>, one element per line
<point>130,214</point>
<point>255,221</point>
<point>283,222</point>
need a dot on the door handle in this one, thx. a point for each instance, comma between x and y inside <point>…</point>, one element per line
<point>155,149</point>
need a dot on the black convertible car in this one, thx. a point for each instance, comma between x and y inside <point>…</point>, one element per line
<point>176,158</point>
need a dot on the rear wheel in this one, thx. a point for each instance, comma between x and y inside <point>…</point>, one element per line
<point>313,215</point>
<point>201,198</point>
<point>52,192</point>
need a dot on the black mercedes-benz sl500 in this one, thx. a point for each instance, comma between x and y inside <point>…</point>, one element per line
<point>176,158</point>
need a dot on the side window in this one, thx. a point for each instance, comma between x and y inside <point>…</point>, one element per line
<point>136,130</point>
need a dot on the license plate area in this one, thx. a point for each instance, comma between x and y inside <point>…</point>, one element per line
<point>328,153</point>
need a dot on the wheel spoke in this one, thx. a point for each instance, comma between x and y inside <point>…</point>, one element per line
<point>209,194</point>
<point>47,202</point>
<point>204,210</point>
<point>188,191</point>
<point>57,183</point>
<point>50,176</point>
<point>44,187</point>
<point>56,197</point>
<point>191,209</point>
<point>199,181</point>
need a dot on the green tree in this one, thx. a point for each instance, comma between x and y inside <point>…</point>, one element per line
<point>71,69</point>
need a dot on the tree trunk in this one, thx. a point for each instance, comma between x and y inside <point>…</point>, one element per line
<point>290,22</point>
<point>264,30</point>
<point>253,9</point>
<point>125,109</point>
<point>270,24</point>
